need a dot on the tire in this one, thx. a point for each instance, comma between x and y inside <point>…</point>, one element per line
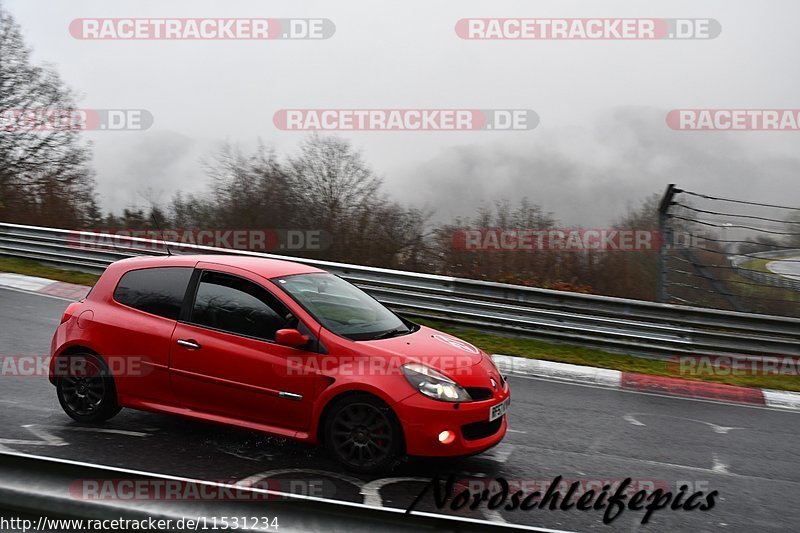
<point>86,391</point>
<point>362,433</point>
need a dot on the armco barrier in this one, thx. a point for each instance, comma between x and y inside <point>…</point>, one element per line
<point>633,326</point>
<point>38,487</point>
<point>766,278</point>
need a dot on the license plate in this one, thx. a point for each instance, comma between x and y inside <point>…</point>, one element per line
<point>496,411</point>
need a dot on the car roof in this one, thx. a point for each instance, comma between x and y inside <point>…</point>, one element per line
<point>263,266</point>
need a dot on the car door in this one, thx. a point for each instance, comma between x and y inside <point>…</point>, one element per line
<point>137,323</point>
<point>224,360</point>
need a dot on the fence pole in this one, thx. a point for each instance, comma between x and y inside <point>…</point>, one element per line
<point>665,239</point>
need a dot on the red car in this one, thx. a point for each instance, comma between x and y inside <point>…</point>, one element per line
<point>278,347</point>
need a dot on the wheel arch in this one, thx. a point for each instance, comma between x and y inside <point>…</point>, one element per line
<point>74,349</point>
<point>333,400</point>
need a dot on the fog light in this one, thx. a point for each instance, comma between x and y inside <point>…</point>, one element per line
<point>446,437</point>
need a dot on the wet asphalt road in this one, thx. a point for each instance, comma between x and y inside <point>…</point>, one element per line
<point>750,455</point>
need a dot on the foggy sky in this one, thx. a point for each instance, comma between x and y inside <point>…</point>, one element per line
<point>602,143</point>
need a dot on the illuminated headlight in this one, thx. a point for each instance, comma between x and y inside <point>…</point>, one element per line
<point>433,384</point>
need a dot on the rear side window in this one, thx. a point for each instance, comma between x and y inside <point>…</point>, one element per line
<point>158,291</point>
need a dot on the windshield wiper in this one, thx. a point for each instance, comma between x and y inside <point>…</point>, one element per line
<point>391,333</point>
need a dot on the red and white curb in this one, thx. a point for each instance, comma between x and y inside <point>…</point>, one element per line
<point>68,291</point>
<point>687,388</point>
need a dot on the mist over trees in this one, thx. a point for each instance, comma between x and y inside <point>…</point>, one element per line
<point>45,172</point>
<point>326,186</point>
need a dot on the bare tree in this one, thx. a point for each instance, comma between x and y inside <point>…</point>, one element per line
<point>340,195</point>
<point>334,182</point>
<point>630,274</point>
<point>325,187</point>
<point>45,176</point>
<point>529,267</point>
<point>250,191</point>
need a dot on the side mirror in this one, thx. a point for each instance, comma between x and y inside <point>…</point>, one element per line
<point>291,338</point>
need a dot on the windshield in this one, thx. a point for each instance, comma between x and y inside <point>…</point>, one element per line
<point>342,307</point>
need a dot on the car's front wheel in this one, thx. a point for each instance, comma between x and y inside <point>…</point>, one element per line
<point>363,434</point>
<point>86,389</point>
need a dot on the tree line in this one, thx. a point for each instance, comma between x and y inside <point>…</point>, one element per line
<point>46,178</point>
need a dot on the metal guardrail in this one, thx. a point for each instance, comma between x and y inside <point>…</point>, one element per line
<point>766,278</point>
<point>43,486</point>
<point>617,324</point>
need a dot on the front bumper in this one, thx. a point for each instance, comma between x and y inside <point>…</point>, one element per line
<point>423,419</point>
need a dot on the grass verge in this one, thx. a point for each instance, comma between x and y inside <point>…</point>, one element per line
<point>757,264</point>
<point>32,268</point>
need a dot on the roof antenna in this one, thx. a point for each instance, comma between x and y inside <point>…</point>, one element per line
<point>158,227</point>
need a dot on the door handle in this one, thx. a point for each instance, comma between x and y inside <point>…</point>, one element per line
<point>189,344</point>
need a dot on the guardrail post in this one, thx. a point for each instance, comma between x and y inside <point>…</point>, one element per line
<point>666,238</point>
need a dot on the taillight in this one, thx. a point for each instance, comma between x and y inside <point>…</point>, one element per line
<point>69,311</point>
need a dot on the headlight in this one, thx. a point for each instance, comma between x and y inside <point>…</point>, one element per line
<point>433,384</point>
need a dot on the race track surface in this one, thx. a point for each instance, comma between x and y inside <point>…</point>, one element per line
<point>789,267</point>
<point>750,455</point>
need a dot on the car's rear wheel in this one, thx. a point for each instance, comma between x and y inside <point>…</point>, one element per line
<point>86,389</point>
<point>362,433</point>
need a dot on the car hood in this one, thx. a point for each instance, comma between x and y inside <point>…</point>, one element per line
<point>433,348</point>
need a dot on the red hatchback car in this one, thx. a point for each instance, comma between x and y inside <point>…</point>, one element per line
<point>278,347</point>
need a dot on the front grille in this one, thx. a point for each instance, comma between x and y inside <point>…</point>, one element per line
<point>480,393</point>
<point>481,430</point>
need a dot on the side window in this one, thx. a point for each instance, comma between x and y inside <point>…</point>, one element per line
<point>239,306</point>
<point>159,291</point>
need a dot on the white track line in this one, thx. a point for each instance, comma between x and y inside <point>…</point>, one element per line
<point>562,371</point>
<point>372,490</point>
<point>499,453</point>
<point>781,399</point>
<point>24,283</point>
